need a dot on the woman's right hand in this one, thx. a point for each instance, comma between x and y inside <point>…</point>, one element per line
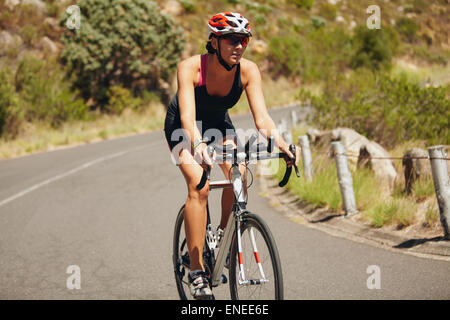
<point>201,154</point>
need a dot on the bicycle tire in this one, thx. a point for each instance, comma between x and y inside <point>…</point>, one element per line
<point>179,249</point>
<point>266,246</point>
<point>180,258</point>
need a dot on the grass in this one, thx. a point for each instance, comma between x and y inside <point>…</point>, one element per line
<point>400,212</point>
<point>436,74</point>
<point>322,191</point>
<point>41,137</point>
<point>377,208</point>
<point>423,188</point>
<point>432,214</point>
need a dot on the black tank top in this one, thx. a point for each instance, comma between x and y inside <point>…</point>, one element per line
<point>208,108</point>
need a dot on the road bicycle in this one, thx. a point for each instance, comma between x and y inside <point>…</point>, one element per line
<point>247,247</point>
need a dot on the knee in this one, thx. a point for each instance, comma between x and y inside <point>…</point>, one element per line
<point>199,195</point>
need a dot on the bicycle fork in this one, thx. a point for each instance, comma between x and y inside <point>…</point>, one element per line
<point>241,279</point>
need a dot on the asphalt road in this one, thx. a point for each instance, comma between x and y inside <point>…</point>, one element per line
<point>109,208</point>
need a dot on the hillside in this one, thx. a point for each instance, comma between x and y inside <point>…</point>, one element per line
<point>298,44</point>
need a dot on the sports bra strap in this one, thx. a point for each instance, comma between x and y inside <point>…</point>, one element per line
<point>202,80</point>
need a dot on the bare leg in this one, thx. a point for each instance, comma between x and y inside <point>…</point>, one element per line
<point>195,210</point>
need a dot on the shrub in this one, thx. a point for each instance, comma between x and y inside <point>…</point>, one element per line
<point>373,48</point>
<point>287,54</point>
<point>416,6</point>
<point>326,52</point>
<point>126,43</point>
<point>328,10</point>
<point>29,34</point>
<point>305,4</point>
<point>407,28</point>
<point>389,110</point>
<point>10,117</point>
<point>312,53</point>
<point>187,5</point>
<point>318,22</point>
<point>45,94</point>
<point>120,98</point>
<point>52,8</point>
<point>260,20</point>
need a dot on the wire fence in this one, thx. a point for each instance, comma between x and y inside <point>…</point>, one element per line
<point>436,156</point>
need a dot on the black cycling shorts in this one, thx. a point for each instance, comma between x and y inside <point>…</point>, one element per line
<point>213,130</point>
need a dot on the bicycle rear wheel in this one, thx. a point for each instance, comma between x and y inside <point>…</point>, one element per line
<point>260,260</point>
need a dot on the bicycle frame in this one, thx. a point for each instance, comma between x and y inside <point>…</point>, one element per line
<point>239,206</point>
<point>233,225</point>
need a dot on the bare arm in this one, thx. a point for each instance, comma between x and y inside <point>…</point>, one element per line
<point>186,98</point>
<point>263,121</point>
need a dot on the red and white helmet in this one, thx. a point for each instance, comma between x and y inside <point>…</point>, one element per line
<point>228,22</point>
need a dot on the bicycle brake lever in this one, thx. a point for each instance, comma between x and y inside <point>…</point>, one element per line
<point>207,172</point>
<point>205,177</point>
<point>287,174</point>
<point>293,151</point>
<point>285,180</point>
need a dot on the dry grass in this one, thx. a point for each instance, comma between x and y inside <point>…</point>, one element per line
<point>40,137</point>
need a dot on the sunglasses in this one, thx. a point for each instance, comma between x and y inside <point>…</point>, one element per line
<point>235,40</point>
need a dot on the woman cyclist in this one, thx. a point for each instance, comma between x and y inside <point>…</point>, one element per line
<point>208,85</point>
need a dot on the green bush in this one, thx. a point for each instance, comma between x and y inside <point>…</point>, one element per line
<point>328,10</point>
<point>187,5</point>
<point>10,116</point>
<point>416,6</point>
<point>29,34</point>
<point>45,93</point>
<point>52,8</point>
<point>311,53</point>
<point>305,4</point>
<point>287,54</point>
<point>120,98</point>
<point>260,20</point>
<point>126,43</point>
<point>326,52</point>
<point>318,22</point>
<point>407,28</point>
<point>389,110</point>
<point>373,48</point>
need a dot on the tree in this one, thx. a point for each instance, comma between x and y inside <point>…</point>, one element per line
<point>129,43</point>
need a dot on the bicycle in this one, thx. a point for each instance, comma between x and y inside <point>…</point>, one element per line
<point>262,279</point>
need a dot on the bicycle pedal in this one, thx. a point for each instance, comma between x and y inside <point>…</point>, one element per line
<point>223,279</point>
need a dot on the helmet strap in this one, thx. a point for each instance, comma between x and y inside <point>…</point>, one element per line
<point>222,62</point>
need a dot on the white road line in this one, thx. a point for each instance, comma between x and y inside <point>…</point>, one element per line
<point>70,172</point>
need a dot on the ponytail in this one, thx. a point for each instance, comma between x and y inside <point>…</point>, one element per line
<point>210,48</point>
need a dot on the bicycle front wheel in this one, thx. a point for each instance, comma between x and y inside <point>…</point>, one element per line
<point>259,277</point>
